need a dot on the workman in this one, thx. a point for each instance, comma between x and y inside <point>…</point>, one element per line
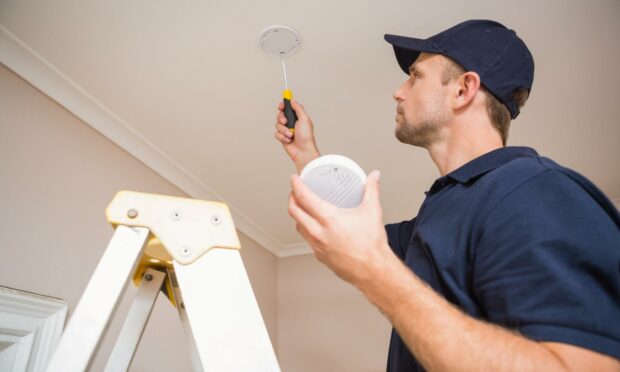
<point>513,261</point>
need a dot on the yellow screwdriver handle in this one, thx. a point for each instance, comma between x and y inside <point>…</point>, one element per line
<point>289,113</point>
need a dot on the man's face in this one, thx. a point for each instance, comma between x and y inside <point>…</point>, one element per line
<point>422,102</point>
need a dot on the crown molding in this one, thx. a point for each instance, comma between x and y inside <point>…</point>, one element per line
<point>40,73</point>
<point>296,249</point>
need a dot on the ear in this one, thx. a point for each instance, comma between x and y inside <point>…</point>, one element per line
<point>468,85</point>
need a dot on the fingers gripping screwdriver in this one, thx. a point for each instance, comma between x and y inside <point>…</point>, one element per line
<point>287,95</point>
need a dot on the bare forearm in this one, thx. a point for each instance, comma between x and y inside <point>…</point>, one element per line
<point>443,338</point>
<point>303,159</point>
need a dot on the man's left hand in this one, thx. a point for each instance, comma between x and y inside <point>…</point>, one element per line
<point>351,241</point>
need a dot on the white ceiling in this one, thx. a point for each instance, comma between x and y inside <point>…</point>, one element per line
<point>190,81</point>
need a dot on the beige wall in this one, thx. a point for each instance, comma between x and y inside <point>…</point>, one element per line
<point>56,177</point>
<point>324,323</point>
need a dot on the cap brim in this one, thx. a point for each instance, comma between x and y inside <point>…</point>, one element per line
<point>407,49</point>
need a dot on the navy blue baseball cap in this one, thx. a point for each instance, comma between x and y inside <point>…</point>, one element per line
<point>494,52</point>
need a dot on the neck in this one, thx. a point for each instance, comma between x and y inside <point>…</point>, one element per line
<point>463,143</point>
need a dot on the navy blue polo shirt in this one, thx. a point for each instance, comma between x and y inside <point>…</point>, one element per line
<point>515,239</point>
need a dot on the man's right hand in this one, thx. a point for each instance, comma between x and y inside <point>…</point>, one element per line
<point>300,147</point>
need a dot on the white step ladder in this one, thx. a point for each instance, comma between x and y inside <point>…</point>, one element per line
<point>190,250</point>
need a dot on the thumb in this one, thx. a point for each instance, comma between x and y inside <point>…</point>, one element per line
<point>371,192</point>
<point>299,108</point>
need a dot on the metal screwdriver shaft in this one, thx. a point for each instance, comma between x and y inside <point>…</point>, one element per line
<point>284,70</point>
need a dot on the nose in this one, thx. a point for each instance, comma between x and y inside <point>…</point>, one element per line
<point>399,94</point>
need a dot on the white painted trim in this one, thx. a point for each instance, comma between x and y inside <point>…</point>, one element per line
<point>296,249</point>
<point>33,325</point>
<point>27,63</point>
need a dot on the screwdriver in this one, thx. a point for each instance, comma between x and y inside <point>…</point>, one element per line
<point>287,95</point>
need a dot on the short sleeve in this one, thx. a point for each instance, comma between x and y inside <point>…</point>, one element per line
<point>399,235</point>
<point>547,264</point>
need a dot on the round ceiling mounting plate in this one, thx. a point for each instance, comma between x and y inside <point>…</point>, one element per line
<point>279,41</point>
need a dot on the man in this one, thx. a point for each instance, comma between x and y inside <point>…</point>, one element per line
<point>513,262</point>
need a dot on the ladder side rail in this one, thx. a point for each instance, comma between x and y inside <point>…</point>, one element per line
<point>129,337</point>
<point>227,326</point>
<point>98,303</point>
<point>180,305</point>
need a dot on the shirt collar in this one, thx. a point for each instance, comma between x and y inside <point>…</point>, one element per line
<point>481,165</point>
<point>490,161</point>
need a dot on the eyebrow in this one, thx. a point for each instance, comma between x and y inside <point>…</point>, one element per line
<point>413,68</point>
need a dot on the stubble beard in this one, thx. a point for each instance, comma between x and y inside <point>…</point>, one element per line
<point>424,134</point>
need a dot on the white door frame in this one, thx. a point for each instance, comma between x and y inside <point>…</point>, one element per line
<point>30,327</point>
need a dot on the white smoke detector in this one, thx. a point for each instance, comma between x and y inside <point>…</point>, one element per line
<point>336,179</point>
